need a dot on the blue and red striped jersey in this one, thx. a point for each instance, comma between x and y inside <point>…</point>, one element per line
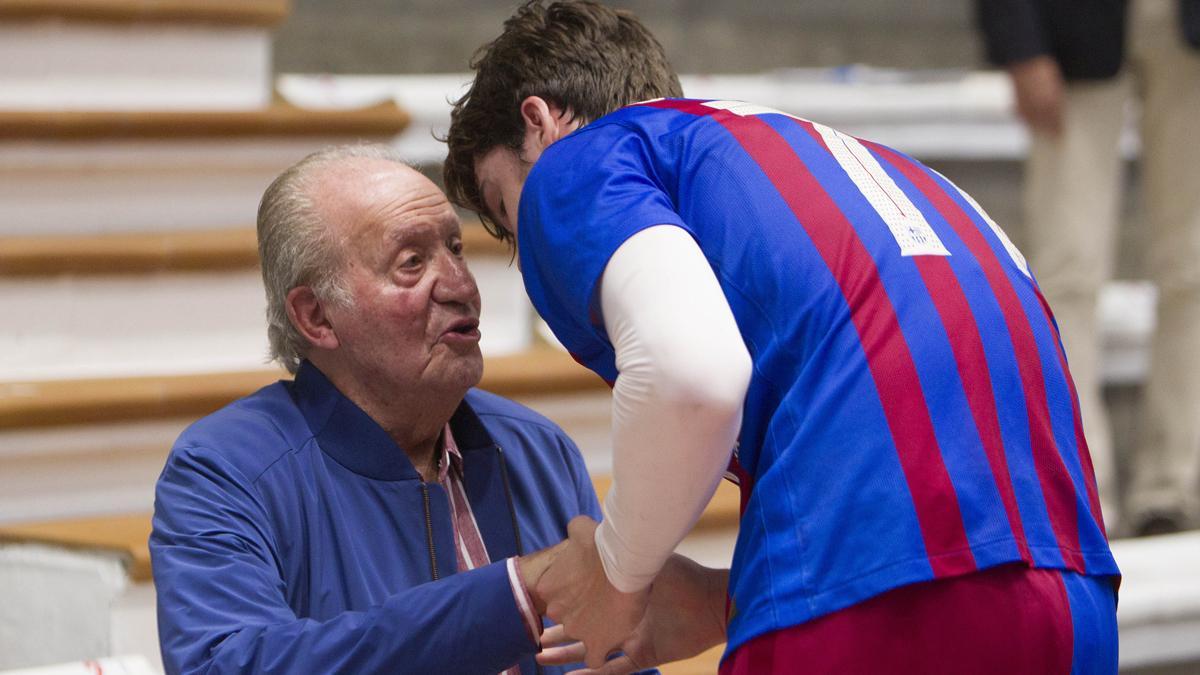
<point>910,414</point>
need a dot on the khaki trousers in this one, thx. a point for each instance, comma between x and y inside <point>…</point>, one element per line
<point>1073,184</point>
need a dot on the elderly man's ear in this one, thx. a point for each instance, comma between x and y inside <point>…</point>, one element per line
<point>307,314</point>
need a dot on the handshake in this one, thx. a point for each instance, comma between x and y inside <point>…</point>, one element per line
<point>679,615</point>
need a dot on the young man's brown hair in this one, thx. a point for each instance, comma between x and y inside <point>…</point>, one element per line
<point>586,58</point>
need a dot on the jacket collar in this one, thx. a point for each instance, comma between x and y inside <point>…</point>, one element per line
<point>348,435</point>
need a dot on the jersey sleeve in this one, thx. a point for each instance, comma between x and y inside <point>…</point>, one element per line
<point>587,195</point>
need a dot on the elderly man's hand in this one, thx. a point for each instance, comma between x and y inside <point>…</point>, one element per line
<point>578,595</point>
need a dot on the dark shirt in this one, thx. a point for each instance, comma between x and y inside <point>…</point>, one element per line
<point>1086,38</point>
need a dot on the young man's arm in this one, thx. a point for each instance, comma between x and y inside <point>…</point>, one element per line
<point>683,372</point>
<point>677,402</point>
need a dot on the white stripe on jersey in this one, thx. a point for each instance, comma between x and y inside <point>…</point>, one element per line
<point>1013,251</point>
<point>907,224</point>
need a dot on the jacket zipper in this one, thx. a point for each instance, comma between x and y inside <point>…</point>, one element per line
<point>429,531</point>
<point>512,512</point>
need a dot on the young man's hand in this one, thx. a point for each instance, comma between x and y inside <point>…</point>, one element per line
<point>578,595</point>
<point>532,567</point>
<point>685,616</point>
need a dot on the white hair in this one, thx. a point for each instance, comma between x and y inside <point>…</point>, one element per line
<point>296,248</point>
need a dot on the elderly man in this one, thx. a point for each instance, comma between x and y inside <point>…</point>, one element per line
<point>369,515</point>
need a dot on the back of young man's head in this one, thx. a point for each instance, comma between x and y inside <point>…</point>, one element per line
<point>585,58</point>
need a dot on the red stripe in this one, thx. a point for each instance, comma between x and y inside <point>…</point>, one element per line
<point>874,318</point>
<point>967,346</point>
<point>1057,487</point>
<point>745,481</point>
<point>465,527</point>
<point>1085,455</point>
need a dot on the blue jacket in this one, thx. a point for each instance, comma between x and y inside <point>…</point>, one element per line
<point>292,535</point>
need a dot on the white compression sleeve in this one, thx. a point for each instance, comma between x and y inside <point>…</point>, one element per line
<point>683,371</point>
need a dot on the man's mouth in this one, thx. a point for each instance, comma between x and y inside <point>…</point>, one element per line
<point>462,330</point>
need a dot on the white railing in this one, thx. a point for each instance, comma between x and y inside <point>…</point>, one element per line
<point>932,114</point>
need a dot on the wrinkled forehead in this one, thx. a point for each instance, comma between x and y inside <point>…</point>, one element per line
<point>376,199</point>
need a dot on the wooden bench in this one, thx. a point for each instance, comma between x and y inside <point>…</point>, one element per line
<point>235,12</point>
<point>136,253</point>
<point>541,371</point>
<point>280,119</point>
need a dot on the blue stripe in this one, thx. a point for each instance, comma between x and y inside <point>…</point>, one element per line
<point>1093,624</point>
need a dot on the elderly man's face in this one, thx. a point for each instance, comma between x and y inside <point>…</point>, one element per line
<point>414,316</point>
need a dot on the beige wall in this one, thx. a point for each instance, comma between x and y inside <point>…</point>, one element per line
<point>384,36</point>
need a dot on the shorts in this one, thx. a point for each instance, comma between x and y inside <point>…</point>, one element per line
<point>1008,619</point>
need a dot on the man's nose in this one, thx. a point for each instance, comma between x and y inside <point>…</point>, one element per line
<point>455,283</point>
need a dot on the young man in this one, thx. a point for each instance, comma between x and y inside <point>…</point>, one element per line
<point>917,492</point>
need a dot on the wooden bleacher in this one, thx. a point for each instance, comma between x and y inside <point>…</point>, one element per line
<point>281,119</point>
<point>144,252</point>
<point>35,404</point>
<point>58,402</point>
<point>128,253</point>
<point>230,12</point>
<point>34,407</point>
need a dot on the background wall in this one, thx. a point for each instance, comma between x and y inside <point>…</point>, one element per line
<point>700,36</point>
<point>715,36</point>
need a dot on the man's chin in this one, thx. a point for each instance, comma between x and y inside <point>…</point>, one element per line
<point>463,370</point>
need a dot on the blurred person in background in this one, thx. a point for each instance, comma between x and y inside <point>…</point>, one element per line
<point>1075,68</point>
<point>838,325</point>
<point>376,514</point>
